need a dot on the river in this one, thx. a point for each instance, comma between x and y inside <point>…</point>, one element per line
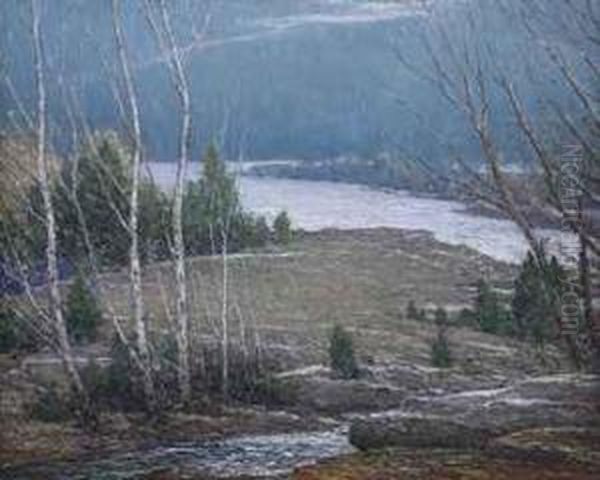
<point>317,205</point>
<point>247,456</point>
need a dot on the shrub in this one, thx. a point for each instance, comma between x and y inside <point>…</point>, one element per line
<point>440,351</point>
<point>83,314</point>
<point>262,231</point>
<point>491,316</point>
<point>51,406</point>
<point>274,392</point>
<point>15,335</point>
<point>411,311</point>
<point>341,354</point>
<point>441,317</point>
<point>440,348</point>
<point>101,180</point>
<point>535,300</point>
<point>9,338</point>
<point>466,317</point>
<point>121,385</point>
<point>282,228</point>
<point>154,222</point>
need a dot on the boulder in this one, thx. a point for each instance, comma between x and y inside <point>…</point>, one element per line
<point>470,419</point>
<point>417,431</point>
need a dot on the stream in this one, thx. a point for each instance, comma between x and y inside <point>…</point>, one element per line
<point>252,455</point>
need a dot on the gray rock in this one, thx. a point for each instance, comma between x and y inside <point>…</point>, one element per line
<point>471,419</point>
<point>417,431</point>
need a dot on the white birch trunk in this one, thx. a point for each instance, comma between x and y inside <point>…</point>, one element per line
<point>59,325</point>
<point>135,272</point>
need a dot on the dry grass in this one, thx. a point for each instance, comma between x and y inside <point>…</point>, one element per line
<point>360,279</point>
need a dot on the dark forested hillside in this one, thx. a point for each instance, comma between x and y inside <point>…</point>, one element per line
<point>268,79</point>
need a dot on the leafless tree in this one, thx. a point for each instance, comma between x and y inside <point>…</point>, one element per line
<point>60,328</point>
<point>135,273</point>
<point>159,19</point>
<point>465,69</point>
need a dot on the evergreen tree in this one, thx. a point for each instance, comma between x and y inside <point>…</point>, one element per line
<point>211,209</point>
<point>282,227</point>
<point>154,222</point>
<point>491,316</point>
<point>101,184</point>
<point>83,314</point>
<point>441,317</point>
<point>535,300</point>
<point>440,351</point>
<point>440,348</point>
<point>341,353</point>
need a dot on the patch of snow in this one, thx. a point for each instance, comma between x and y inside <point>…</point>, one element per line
<point>305,371</point>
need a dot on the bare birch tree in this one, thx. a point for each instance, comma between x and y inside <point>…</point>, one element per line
<point>165,36</point>
<point>60,328</point>
<point>135,273</point>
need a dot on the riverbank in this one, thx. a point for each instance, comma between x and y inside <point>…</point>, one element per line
<point>361,279</point>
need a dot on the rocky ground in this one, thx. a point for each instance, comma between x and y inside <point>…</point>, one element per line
<point>500,410</point>
<point>539,428</point>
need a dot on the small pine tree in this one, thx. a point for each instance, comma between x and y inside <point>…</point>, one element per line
<point>491,317</point>
<point>411,311</point>
<point>440,348</point>
<point>282,227</point>
<point>341,354</point>
<point>83,314</point>
<point>440,351</point>
<point>441,317</point>
<point>535,300</point>
<point>262,230</point>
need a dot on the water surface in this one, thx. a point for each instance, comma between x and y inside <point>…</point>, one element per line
<point>317,205</point>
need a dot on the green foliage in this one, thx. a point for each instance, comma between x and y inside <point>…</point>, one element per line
<point>261,232</point>
<point>441,317</point>
<point>121,386</point>
<point>341,354</point>
<point>95,197</point>
<point>440,352</point>
<point>51,406</point>
<point>101,185</point>
<point>282,227</point>
<point>274,392</point>
<point>154,222</point>
<point>440,349</point>
<point>82,312</point>
<point>491,316</point>
<point>466,317</point>
<point>535,303</point>
<point>9,333</point>
<point>213,215</point>
<point>14,334</point>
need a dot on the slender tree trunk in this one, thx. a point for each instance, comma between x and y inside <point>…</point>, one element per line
<point>167,39</point>
<point>589,327</point>
<point>135,272</point>
<point>60,328</point>
<point>224,322</point>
